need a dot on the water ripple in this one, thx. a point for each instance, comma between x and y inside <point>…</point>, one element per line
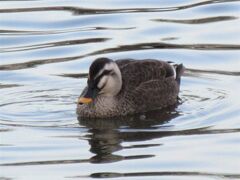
<point>161,174</point>
<point>54,44</point>
<point>123,48</point>
<point>88,11</point>
<point>198,20</point>
<point>9,32</point>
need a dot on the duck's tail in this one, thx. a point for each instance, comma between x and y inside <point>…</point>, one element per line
<point>179,69</point>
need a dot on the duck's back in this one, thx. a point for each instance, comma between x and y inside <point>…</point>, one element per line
<point>149,84</point>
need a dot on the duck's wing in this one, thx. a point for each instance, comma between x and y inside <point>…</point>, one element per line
<point>137,72</point>
<point>155,93</point>
<point>123,62</point>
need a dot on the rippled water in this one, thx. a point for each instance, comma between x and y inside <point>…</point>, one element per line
<point>46,49</point>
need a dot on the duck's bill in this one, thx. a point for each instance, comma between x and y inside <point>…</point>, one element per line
<point>88,95</point>
<point>83,100</point>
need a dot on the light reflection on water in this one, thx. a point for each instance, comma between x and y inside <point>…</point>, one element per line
<point>46,49</point>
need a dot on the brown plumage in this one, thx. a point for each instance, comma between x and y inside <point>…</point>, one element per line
<point>143,85</point>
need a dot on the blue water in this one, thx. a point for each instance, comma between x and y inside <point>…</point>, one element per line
<point>46,49</point>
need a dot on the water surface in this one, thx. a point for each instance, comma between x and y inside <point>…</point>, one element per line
<point>46,49</point>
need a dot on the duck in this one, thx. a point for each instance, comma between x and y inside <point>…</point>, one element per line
<point>126,86</point>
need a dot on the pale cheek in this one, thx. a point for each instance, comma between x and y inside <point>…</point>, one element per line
<point>102,82</point>
<point>110,84</point>
<point>109,88</point>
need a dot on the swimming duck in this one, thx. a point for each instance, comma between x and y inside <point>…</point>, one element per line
<point>127,86</point>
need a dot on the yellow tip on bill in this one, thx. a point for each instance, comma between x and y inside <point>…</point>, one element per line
<point>84,100</point>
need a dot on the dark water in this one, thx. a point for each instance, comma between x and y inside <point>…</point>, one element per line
<point>46,49</point>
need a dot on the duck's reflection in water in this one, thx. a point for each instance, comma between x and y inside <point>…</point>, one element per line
<point>106,136</point>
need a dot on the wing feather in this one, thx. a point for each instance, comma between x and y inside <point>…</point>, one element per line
<point>136,72</point>
<point>155,93</point>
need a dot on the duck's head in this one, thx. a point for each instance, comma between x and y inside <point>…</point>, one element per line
<point>104,79</point>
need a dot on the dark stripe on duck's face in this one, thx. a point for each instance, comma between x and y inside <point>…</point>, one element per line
<point>104,73</point>
<point>97,66</point>
<point>92,89</point>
